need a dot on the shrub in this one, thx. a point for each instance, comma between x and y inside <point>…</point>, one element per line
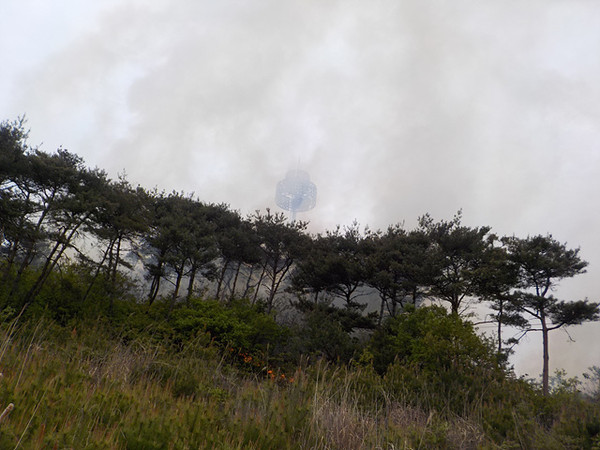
<point>321,336</point>
<point>433,340</point>
<point>436,360</point>
<point>239,325</point>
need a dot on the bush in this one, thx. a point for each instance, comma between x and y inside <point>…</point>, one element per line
<point>238,325</point>
<point>321,335</point>
<point>433,340</point>
<point>436,360</point>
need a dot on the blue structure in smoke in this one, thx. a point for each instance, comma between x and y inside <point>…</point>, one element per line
<point>296,193</point>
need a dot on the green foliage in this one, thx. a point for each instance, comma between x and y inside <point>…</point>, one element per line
<point>281,245</point>
<point>541,262</point>
<point>85,388</point>
<point>321,335</point>
<point>435,359</point>
<point>239,325</point>
<point>432,339</point>
<point>455,256</point>
<point>398,266</point>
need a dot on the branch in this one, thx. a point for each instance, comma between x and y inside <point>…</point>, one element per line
<point>555,327</point>
<point>530,312</point>
<point>517,340</point>
<point>483,322</point>
<point>568,335</point>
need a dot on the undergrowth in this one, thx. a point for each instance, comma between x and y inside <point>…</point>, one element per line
<point>86,387</point>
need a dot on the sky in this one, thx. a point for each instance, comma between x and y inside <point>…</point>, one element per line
<point>396,108</point>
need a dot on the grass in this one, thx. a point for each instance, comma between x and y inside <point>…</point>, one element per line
<point>84,388</point>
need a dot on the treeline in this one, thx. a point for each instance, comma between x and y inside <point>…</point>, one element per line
<point>64,224</point>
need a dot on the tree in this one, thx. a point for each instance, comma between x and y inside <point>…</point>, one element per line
<point>181,242</point>
<point>281,244</point>
<point>15,203</point>
<point>398,267</point>
<point>239,252</point>
<point>312,271</point>
<point>456,254</point>
<point>120,219</point>
<point>334,264</point>
<point>63,197</point>
<point>346,264</point>
<point>202,243</point>
<point>542,262</point>
<point>496,277</point>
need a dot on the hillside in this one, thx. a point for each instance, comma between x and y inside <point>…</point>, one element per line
<point>97,385</point>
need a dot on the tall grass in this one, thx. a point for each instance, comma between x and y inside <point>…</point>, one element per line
<point>84,388</point>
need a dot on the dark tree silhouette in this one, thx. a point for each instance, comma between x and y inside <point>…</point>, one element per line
<point>542,262</point>
<point>281,244</point>
<point>456,253</point>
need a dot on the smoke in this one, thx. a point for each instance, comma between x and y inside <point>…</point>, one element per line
<point>395,108</point>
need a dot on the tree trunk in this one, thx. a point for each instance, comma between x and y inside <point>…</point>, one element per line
<point>415,293</point>
<point>117,260</point>
<point>98,269</point>
<point>545,370</point>
<point>113,275</point>
<point>272,291</point>
<point>29,255</point>
<point>237,273</point>
<point>154,286</point>
<point>276,282</point>
<point>190,288</point>
<point>348,297</point>
<point>381,310</point>
<point>262,275</point>
<point>51,263</point>
<point>109,264</point>
<point>177,285</point>
<point>455,304</point>
<point>500,311</point>
<point>221,278</point>
<point>248,282</point>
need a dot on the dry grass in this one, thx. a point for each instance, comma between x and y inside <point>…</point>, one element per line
<point>88,390</point>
